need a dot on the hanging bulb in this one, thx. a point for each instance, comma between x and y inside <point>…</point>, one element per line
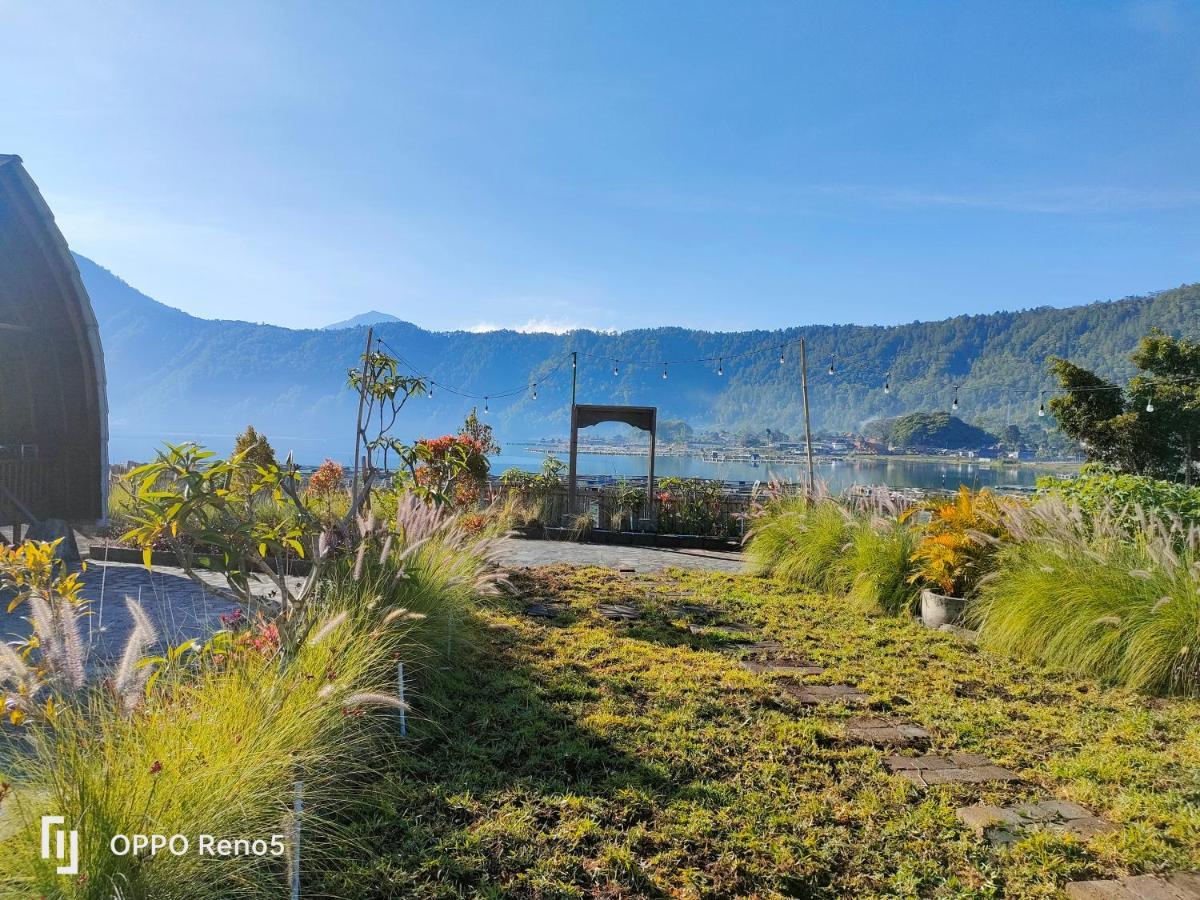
<point>485,404</point>
<point>954,405</point>
<point>887,383</point>
<point>721,367</point>
<point>831,367</point>
<point>781,360</point>
<point>614,367</point>
<point>1042,408</point>
<point>664,371</point>
<point>535,390</point>
<point>1149,406</point>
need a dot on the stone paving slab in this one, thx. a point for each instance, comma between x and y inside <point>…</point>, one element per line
<point>761,649</point>
<point>545,609</point>
<point>514,552</point>
<point>788,665</point>
<point>886,732</point>
<point>621,612</point>
<point>691,611</point>
<point>1003,825</point>
<point>957,768</point>
<point>1173,886</point>
<point>817,694</point>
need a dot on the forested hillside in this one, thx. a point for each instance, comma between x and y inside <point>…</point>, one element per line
<point>170,373</point>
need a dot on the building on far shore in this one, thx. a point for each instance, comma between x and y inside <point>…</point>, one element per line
<point>53,402</point>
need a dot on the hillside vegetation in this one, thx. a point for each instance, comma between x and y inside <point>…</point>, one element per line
<point>171,372</point>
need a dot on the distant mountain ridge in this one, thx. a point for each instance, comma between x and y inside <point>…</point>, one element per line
<point>171,374</point>
<point>374,317</point>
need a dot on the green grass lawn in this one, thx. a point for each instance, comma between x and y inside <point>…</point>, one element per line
<point>585,758</point>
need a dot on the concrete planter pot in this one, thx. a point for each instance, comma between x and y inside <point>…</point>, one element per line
<point>938,609</point>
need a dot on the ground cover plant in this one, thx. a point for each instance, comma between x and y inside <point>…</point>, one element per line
<point>578,757</point>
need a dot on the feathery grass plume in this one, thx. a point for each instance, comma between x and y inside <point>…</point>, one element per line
<point>803,542</point>
<point>881,566</point>
<point>129,682</point>
<point>12,667</point>
<point>72,664</point>
<point>330,626</point>
<point>1083,595</point>
<point>374,699</point>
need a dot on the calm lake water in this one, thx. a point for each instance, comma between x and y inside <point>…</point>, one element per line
<point>838,475</point>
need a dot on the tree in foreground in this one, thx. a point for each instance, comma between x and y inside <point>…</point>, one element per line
<point>1150,427</point>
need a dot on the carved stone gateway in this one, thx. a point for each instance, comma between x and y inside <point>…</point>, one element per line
<point>584,415</point>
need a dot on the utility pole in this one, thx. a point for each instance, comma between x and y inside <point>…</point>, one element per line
<point>807,426</point>
<point>574,448</point>
<point>358,426</point>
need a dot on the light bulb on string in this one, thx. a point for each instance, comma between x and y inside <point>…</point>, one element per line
<point>535,390</point>
<point>664,371</point>
<point>954,405</point>
<point>430,394</point>
<point>721,367</point>
<point>485,405</point>
<point>831,367</point>
<point>887,383</point>
<point>1042,408</point>
<point>615,366</point>
<point>1150,405</point>
<point>781,359</point>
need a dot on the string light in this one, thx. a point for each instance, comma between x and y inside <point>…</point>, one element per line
<point>485,404</point>
<point>954,405</point>
<point>831,365</point>
<point>430,394</point>
<point>887,383</point>
<point>535,390</point>
<point>664,371</point>
<point>615,366</point>
<point>781,356</point>
<point>1150,405</point>
<point>721,367</point>
<point>1042,404</point>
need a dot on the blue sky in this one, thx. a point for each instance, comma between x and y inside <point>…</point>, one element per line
<point>614,164</point>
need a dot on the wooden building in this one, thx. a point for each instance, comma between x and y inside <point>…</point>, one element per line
<point>53,404</point>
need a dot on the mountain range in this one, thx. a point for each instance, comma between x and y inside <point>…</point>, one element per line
<point>173,376</point>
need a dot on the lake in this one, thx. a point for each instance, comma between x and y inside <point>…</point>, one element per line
<point>837,474</point>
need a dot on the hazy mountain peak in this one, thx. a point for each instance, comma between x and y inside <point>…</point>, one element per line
<point>373,317</point>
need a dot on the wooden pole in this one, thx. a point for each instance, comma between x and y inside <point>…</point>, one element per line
<point>358,426</point>
<point>571,463</point>
<point>807,426</point>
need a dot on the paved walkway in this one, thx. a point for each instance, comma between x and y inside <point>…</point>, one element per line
<point>521,552</point>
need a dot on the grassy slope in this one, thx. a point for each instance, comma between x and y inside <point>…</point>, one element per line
<point>585,758</point>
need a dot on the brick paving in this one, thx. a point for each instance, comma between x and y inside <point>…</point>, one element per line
<point>1173,886</point>
<point>518,552</point>
<point>886,732</point>
<point>957,768</point>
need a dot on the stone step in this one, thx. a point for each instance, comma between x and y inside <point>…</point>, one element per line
<point>957,768</point>
<point>1172,886</point>
<point>817,694</point>
<point>1005,824</point>
<point>784,665</point>
<point>733,628</point>
<point>619,612</point>
<point>545,609</point>
<point>886,732</point>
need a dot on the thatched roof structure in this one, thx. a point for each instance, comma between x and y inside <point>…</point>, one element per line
<point>53,405</point>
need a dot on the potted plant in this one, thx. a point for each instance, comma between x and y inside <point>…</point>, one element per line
<point>955,551</point>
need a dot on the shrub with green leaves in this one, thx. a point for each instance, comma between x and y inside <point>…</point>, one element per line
<point>880,565</point>
<point>1126,498</point>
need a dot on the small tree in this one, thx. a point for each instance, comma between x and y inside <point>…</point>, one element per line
<point>1151,427</point>
<point>256,450</point>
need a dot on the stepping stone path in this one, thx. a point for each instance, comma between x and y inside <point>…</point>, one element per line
<point>957,768</point>
<point>817,694</point>
<point>787,665</point>
<point>886,732</point>
<point>1173,886</point>
<point>619,612</point>
<point>765,648</point>
<point>691,611</point>
<point>1004,824</point>
<point>544,609</point>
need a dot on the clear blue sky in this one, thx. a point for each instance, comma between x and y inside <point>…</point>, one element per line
<point>614,164</point>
